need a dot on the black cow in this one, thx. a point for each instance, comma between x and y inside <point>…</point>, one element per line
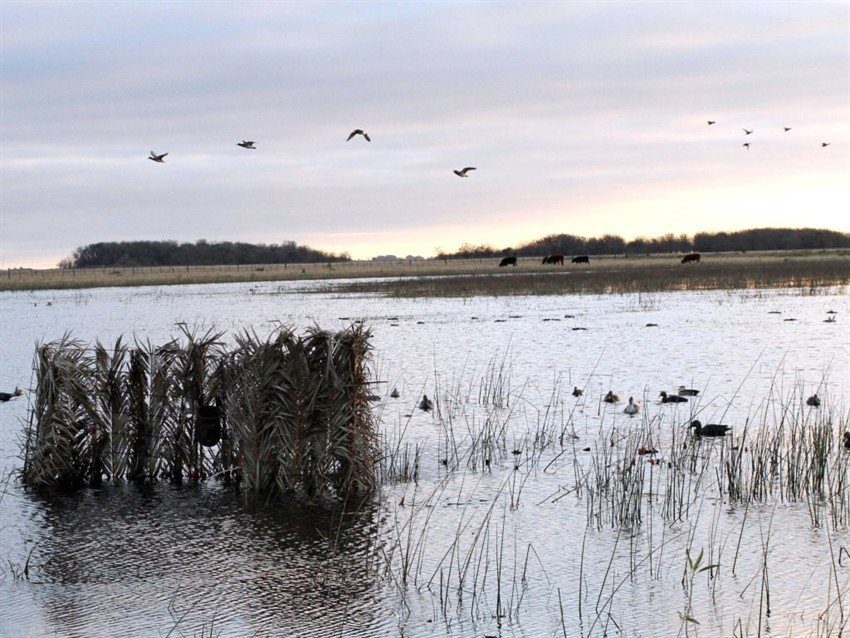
<point>689,258</point>
<point>581,259</point>
<point>556,260</point>
<point>508,261</point>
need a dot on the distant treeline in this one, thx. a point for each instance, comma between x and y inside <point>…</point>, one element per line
<point>200,253</point>
<point>743,240</point>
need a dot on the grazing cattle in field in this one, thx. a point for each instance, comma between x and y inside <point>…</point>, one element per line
<point>692,257</point>
<point>508,261</point>
<point>556,260</point>
<point>581,259</point>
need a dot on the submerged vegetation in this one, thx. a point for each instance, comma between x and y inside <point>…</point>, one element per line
<point>287,413</point>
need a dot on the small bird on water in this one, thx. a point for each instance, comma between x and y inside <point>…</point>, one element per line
<point>710,429</point>
<point>462,172</point>
<point>611,397</point>
<point>395,393</point>
<point>813,401</point>
<point>673,398</point>
<point>632,408</point>
<point>687,392</point>
<point>847,440</point>
<point>247,144</point>
<point>157,158</point>
<point>426,404</point>
<point>359,131</point>
<point>6,396</point>
<point>577,392</point>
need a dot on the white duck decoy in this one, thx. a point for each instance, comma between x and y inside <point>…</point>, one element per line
<point>157,158</point>
<point>463,172</point>
<point>632,408</point>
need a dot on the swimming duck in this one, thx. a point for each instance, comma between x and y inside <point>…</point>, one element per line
<point>847,440</point>
<point>611,397</point>
<point>6,396</point>
<point>813,401</point>
<point>632,408</point>
<point>687,392</point>
<point>711,429</point>
<point>577,392</point>
<point>395,393</point>
<point>426,404</point>
<point>673,398</point>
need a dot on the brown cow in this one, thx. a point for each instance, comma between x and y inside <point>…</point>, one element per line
<point>581,259</point>
<point>556,260</point>
<point>689,258</point>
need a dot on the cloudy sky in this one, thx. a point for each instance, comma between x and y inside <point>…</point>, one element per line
<point>581,118</point>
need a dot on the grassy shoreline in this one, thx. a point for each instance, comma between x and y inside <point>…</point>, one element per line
<point>465,277</point>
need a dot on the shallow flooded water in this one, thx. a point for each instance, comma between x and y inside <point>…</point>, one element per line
<point>508,530</point>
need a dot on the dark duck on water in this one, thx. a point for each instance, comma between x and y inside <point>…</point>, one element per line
<point>672,398</point>
<point>6,396</point>
<point>710,429</point>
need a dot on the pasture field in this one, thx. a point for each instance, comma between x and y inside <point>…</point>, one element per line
<point>613,273</point>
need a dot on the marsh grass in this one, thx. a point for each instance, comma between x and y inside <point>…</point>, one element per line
<point>609,273</point>
<point>292,411</point>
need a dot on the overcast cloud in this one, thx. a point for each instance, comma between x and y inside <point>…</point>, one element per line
<point>581,118</point>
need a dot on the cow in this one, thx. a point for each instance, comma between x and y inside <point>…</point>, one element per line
<point>508,261</point>
<point>555,260</point>
<point>580,259</point>
<point>692,257</point>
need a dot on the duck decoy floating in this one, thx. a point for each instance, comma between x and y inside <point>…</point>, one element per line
<point>611,397</point>
<point>359,131</point>
<point>426,404</point>
<point>813,401</point>
<point>632,408</point>
<point>395,393</point>
<point>673,398</point>
<point>577,392</point>
<point>687,392</point>
<point>710,429</point>
<point>6,396</point>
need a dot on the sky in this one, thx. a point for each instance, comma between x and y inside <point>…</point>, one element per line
<point>580,118</point>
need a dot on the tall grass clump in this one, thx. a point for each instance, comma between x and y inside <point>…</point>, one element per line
<point>281,414</point>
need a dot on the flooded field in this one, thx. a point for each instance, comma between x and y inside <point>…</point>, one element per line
<point>511,509</point>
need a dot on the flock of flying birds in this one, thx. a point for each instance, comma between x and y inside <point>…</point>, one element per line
<point>747,131</point>
<point>249,145</point>
<point>463,172</point>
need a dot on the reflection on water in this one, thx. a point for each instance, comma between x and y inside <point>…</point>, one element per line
<point>130,562</point>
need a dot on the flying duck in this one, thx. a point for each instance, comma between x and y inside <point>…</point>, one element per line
<point>426,404</point>
<point>711,122</point>
<point>746,145</point>
<point>632,408</point>
<point>611,397</point>
<point>824,144</point>
<point>786,128</point>
<point>5,396</point>
<point>813,401</point>
<point>359,131</point>
<point>747,132</point>
<point>687,392</point>
<point>247,144</point>
<point>711,429</point>
<point>462,172</point>
<point>674,398</point>
<point>577,392</point>
<point>157,158</point>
